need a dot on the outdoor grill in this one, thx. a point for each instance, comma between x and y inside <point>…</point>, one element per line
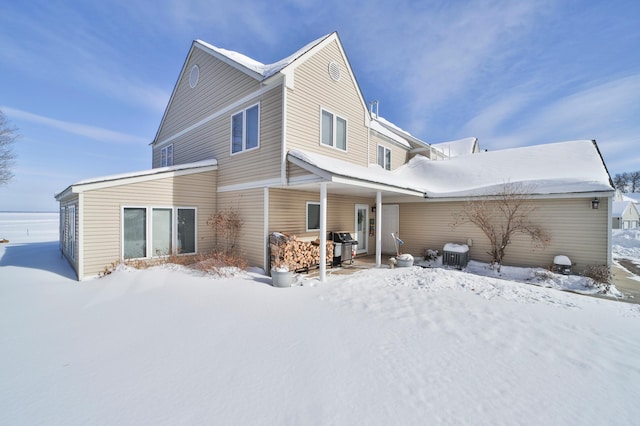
<point>344,247</point>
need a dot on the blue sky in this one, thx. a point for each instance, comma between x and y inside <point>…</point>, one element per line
<point>87,82</point>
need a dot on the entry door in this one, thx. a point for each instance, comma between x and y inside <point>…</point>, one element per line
<point>362,220</point>
<point>390,224</point>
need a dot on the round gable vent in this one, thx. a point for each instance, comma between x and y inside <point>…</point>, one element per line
<point>334,71</point>
<point>194,76</point>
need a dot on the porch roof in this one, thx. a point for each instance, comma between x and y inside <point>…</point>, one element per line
<point>348,178</point>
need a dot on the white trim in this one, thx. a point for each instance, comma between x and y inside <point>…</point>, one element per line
<point>244,130</point>
<point>193,83</point>
<point>229,108</point>
<point>80,233</point>
<point>297,180</point>
<point>283,147</point>
<point>323,232</point>
<point>250,185</point>
<point>144,176</point>
<point>379,229</point>
<point>609,229</point>
<point>361,249</point>
<point>265,228</point>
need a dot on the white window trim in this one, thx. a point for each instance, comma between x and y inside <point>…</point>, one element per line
<point>244,130</point>
<point>333,136</point>
<point>149,229</point>
<point>306,215</point>
<point>164,156</point>
<point>384,158</point>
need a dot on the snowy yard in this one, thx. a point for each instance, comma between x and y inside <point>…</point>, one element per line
<point>380,347</point>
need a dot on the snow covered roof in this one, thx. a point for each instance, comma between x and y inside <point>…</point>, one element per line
<point>631,196</point>
<point>457,147</point>
<point>618,208</point>
<point>145,174</point>
<point>557,168</point>
<point>264,70</point>
<point>394,132</point>
<point>321,163</point>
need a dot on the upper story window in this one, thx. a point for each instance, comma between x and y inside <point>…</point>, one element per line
<point>333,131</point>
<point>245,129</point>
<point>166,156</point>
<point>384,157</point>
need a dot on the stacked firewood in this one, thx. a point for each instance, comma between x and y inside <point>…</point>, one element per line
<point>289,251</point>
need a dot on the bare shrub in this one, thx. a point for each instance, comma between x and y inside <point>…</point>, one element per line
<point>227,224</point>
<point>215,261</point>
<point>600,274</point>
<point>501,216</point>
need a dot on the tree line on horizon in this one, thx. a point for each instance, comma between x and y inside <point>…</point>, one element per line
<point>627,181</point>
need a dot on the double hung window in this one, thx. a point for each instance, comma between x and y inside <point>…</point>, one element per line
<point>245,130</point>
<point>333,131</point>
<point>166,156</point>
<point>384,157</point>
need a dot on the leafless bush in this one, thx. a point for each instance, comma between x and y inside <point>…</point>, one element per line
<point>601,274</point>
<point>502,216</point>
<point>227,225</point>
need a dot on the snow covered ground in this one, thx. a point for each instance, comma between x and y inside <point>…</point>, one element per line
<point>403,346</point>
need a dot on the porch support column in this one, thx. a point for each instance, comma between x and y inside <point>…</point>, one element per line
<point>378,229</point>
<point>323,232</point>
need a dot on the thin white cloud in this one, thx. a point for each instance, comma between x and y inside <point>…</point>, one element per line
<point>91,132</point>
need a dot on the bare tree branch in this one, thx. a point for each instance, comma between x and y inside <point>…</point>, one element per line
<point>502,216</point>
<point>8,136</point>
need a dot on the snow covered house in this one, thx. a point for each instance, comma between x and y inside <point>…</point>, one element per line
<point>624,215</point>
<point>293,148</point>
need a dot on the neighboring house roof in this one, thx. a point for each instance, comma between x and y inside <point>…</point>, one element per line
<point>634,197</point>
<point>140,176</point>
<point>558,168</point>
<point>458,147</point>
<point>619,208</point>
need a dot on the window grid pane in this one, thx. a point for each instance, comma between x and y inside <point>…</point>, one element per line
<point>327,128</point>
<point>252,127</point>
<point>341,133</point>
<point>387,158</point>
<point>313,216</point>
<point>186,231</point>
<point>135,233</point>
<point>161,232</point>
<point>236,133</point>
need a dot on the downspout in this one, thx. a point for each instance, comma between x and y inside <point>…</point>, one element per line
<point>378,229</point>
<point>283,156</point>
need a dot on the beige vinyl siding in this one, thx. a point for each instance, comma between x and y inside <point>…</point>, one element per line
<point>213,140</point>
<point>103,210</point>
<point>294,171</point>
<point>250,206</point>
<point>576,230</point>
<point>399,155</point>
<point>315,90</point>
<point>288,214</point>
<point>219,85</point>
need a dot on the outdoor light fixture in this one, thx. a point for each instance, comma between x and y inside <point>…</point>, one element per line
<point>373,209</point>
<point>595,203</point>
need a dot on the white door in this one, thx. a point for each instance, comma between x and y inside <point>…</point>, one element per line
<point>362,221</point>
<point>390,224</point>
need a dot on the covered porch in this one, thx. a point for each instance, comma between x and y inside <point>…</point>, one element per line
<point>358,189</point>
